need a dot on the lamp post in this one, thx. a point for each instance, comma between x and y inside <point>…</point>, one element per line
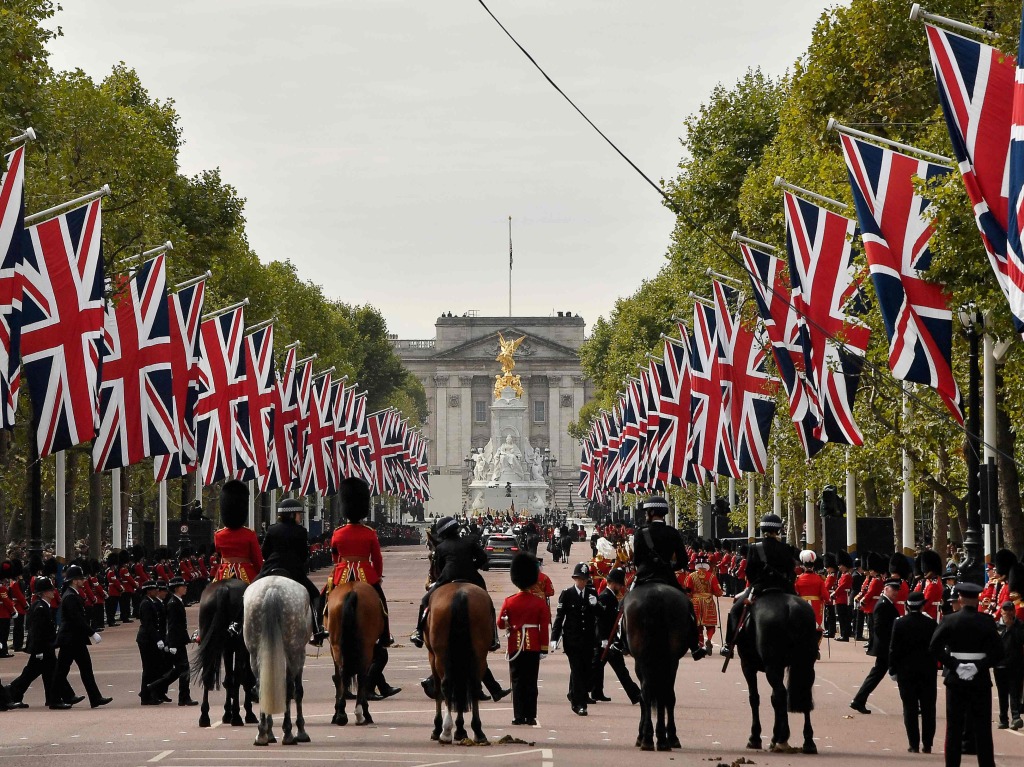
<point>570,507</point>
<point>972,569</point>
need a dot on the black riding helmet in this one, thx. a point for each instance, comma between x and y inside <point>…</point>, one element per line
<point>447,527</point>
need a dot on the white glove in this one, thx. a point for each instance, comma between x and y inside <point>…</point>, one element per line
<point>554,645</point>
<point>172,650</point>
<point>195,635</point>
<point>543,655</point>
<point>604,644</point>
<point>159,644</point>
<point>966,671</point>
<point>39,656</point>
<point>96,638</point>
<point>593,600</point>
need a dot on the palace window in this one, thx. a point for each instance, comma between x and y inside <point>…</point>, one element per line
<point>538,411</point>
<point>480,411</point>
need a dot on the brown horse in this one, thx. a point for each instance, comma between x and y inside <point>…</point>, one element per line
<point>355,620</point>
<point>457,636</point>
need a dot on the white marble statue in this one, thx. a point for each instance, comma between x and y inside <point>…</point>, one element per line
<point>479,465</point>
<point>537,467</point>
<point>507,456</point>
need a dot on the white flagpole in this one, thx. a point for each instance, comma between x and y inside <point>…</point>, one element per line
<point>809,515</point>
<point>510,266</point>
<point>851,506</point>
<point>162,523</point>
<point>252,504</point>
<point>908,490</point>
<point>115,507</point>
<point>60,533</point>
<point>751,508</point>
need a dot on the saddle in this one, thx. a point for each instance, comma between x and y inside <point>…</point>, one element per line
<point>278,571</point>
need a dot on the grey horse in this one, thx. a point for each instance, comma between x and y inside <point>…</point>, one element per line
<point>277,627</point>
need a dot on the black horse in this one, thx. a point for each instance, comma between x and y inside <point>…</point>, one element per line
<point>779,634</point>
<point>659,628</point>
<point>219,605</point>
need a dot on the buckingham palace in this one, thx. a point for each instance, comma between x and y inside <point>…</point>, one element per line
<point>457,368</point>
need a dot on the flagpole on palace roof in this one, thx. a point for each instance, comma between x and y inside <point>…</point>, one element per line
<point>510,266</point>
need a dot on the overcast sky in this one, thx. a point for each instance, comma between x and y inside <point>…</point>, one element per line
<point>383,144</point>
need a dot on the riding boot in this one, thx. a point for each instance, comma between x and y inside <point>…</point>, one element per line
<point>417,636</point>
<point>319,635</point>
<point>495,689</point>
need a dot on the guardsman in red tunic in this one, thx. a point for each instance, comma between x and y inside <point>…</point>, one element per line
<point>8,610</point>
<point>128,585</point>
<point>703,587</point>
<point>526,617</point>
<point>20,603</point>
<point>841,596</point>
<point>1004,560</point>
<point>543,588</point>
<point>900,567</point>
<point>355,547</point>
<point>237,545</point>
<point>114,587</point>
<point>872,588</point>
<point>811,587</point>
<point>930,585</point>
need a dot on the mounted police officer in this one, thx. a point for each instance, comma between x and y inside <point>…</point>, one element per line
<point>771,564</point>
<point>658,549</point>
<point>285,551</point>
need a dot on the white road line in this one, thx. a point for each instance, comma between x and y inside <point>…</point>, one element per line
<point>437,764</point>
<point>216,724</point>
<point>161,755</point>
<point>518,753</point>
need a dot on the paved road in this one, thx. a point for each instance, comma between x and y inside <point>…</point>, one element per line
<point>712,714</point>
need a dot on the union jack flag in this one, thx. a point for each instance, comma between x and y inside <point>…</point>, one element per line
<point>613,426</point>
<point>705,389</point>
<point>359,441</point>
<point>221,406</point>
<point>587,484</point>
<point>318,464</point>
<point>62,326</point>
<point>976,90</point>
<point>652,379</point>
<point>12,247</point>
<point>261,396</point>
<point>278,475</point>
<point>383,447</point>
<point>342,402</point>
<point>675,410</point>
<point>629,446</point>
<point>423,465</point>
<point>771,295</point>
<point>821,269</point>
<point>301,392</point>
<point>185,311</point>
<point>896,232</point>
<point>728,324</point>
<point>752,402</point>
<point>1015,221</point>
<point>136,396</point>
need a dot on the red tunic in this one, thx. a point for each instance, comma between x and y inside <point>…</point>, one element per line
<point>7,607</point>
<point>703,587</point>
<point>240,554</point>
<point>932,589</point>
<point>355,550</point>
<point>543,588</point>
<point>872,591</point>
<point>114,588</point>
<point>841,593</point>
<point>127,581</point>
<point>527,619</point>
<point>811,587</point>
<point>19,597</point>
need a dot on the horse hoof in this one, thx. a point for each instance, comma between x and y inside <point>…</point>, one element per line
<point>302,737</point>
<point>675,743</point>
<point>289,740</point>
<point>647,747</point>
<point>754,744</point>
<point>638,742</point>
<point>809,748</point>
<point>204,721</point>
<point>435,736</point>
<point>226,719</point>
<point>251,718</point>
<point>482,741</point>
<point>445,739</point>
<point>272,738</point>
<point>368,719</point>
<point>236,721</point>
<point>260,741</point>
<point>664,747</point>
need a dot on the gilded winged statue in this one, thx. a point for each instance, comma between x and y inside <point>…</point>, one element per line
<point>506,379</point>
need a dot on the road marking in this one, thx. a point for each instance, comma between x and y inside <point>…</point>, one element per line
<point>216,724</point>
<point>161,755</point>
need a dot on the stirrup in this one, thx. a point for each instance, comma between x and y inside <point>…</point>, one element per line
<point>416,638</point>
<point>725,652</point>
<point>235,629</point>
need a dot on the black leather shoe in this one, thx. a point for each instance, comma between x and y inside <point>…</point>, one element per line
<point>75,699</point>
<point>699,653</point>
<point>17,704</point>
<point>860,708</point>
<point>531,722</point>
<point>373,697</point>
<point>59,706</point>
<point>164,699</point>
<point>518,721</point>
<point>428,687</point>
<point>389,691</point>
<point>100,702</point>
<point>913,750</point>
<point>580,711</point>
<point>842,639</point>
<point>602,698</point>
<point>151,702</point>
<point>188,702</point>
<point>501,693</point>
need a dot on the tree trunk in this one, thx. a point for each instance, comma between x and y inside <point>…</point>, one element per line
<point>1009,479</point>
<point>95,505</point>
<point>796,519</point>
<point>872,507</point>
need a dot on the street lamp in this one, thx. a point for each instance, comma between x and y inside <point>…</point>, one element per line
<point>972,569</point>
<point>570,486</point>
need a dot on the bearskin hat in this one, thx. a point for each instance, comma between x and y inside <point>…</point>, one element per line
<point>50,567</point>
<point>900,565</point>
<point>1015,579</point>
<point>917,566</point>
<point>123,557</point>
<point>234,504</point>
<point>35,565</point>
<point>524,571</point>
<point>1004,559</point>
<point>876,562</point>
<point>743,549</point>
<point>138,552</point>
<point>16,568</point>
<point>844,558</point>
<point>111,559</point>
<point>6,571</point>
<point>931,562</point>
<point>354,494</point>
<point>829,560</point>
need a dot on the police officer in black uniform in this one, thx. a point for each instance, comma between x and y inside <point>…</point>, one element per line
<point>658,549</point>
<point>150,639</point>
<point>967,644</point>
<point>285,552</point>
<point>177,640</point>
<point>882,620</point>
<point>576,623</point>
<point>73,638</point>
<point>42,660</point>
<point>607,651</point>
<point>914,668</point>
<point>459,559</point>
<point>771,563</point>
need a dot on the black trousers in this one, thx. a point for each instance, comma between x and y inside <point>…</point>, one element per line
<point>79,655</point>
<point>579,674</point>
<point>872,680</point>
<point>918,696</point>
<point>97,616</point>
<point>618,663</point>
<point>5,630</point>
<point>180,670</point>
<point>523,670</point>
<point>1009,684</point>
<point>829,620</point>
<point>153,667</point>
<point>18,626</point>
<point>125,601</point>
<point>972,706</point>
<point>111,607</point>
<point>843,620</point>
<point>35,668</point>
<point>858,627</point>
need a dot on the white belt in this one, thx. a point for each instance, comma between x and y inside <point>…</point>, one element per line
<point>969,655</point>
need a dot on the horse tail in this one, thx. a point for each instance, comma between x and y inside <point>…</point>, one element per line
<point>800,684</point>
<point>657,646</point>
<point>459,685</point>
<point>214,617</point>
<point>351,646</point>
<point>273,670</point>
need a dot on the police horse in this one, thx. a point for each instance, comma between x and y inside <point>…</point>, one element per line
<point>779,634</point>
<point>355,621</point>
<point>219,603</point>
<point>658,625</point>
<point>277,627</point>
